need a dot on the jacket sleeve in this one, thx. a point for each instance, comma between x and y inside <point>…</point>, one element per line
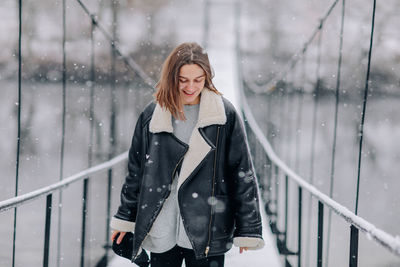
<point>124,219</point>
<point>248,225</point>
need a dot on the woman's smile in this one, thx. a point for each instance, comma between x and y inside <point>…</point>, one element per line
<point>188,93</point>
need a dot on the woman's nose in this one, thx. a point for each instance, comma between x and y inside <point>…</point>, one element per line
<point>191,85</point>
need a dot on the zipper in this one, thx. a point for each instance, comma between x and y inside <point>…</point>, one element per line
<point>173,173</point>
<point>212,195</point>
<point>172,178</point>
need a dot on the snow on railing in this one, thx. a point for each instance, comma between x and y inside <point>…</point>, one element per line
<point>386,240</point>
<point>19,200</point>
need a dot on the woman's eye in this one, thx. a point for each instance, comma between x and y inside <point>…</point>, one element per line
<point>182,81</point>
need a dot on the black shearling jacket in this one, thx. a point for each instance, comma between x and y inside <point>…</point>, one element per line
<point>215,167</point>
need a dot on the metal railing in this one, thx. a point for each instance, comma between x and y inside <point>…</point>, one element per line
<point>88,174</point>
<point>274,174</point>
<point>48,192</point>
<point>271,169</point>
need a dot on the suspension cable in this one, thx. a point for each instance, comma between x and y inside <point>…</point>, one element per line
<point>332,174</point>
<point>280,135</point>
<point>313,139</point>
<point>113,111</point>
<point>91,107</point>
<point>315,110</point>
<point>64,82</point>
<point>290,111</point>
<point>113,98</point>
<point>19,104</point>
<point>289,142</point>
<point>364,107</point>
<point>299,116</point>
<point>128,60</point>
<point>91,144</point>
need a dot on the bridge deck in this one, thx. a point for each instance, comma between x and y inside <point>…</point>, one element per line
<point>268,256</point>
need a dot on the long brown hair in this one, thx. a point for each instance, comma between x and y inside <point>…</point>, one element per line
<point>168,95</point>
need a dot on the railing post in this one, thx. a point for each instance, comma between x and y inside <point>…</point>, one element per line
<point>47,231</point>
<point>320,232</point>
<point>299,227</point>
<point>286,203</point>
<point>276,201</point>
<point>353,262</point>
<point>276,192</point>
<point>84,214</point>
<point>286,212</point>
<point>108,209</point>
<point>269,179</point>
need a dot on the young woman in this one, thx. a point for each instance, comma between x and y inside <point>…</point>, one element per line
<point>191,191</point>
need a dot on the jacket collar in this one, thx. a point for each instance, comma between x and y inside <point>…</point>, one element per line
<point>211,111</point>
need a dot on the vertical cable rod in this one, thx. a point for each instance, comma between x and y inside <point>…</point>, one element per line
<point>299,116</point>
<point>19,104</point>
<point>64,82</point>
<point>91,108</point>
<point>112,124</point>
<point>353,231</point>
<point>313,139</point>
<point>337,95</point>
<point>90,152</point>
<point>113,98</point>
<point>289,97</point>
<point>364,107</point>
<point>281,129</point>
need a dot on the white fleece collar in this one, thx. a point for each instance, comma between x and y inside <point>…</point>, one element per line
<point>211,111</point>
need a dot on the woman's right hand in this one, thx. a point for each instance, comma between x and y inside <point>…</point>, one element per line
<point>120,237</point>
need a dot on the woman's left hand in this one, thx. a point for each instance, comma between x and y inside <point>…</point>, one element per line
<point>241,249</point>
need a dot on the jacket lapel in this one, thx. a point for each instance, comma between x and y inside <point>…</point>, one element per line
<point>211,112</point>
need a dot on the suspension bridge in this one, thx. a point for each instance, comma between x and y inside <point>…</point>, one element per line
<point>298,215</point>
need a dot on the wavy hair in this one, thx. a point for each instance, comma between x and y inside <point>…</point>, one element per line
<point>168,95</point>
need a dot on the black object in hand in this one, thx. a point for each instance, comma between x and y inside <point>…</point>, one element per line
<point>125,248</point>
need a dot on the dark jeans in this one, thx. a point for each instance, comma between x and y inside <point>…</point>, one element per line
<point>175,256</point>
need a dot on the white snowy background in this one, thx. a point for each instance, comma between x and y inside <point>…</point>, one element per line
<point>271,32</point>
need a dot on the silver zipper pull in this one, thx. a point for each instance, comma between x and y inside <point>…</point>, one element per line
<point>207,250</point>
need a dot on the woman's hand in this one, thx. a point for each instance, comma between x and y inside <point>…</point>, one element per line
<point>241,249</point>
<point>120,237</point>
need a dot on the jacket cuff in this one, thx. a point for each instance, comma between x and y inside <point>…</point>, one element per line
<point>252,243</point>
<point>122,225</point>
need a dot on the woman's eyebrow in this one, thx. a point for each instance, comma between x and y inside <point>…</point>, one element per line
<point>195,78</point>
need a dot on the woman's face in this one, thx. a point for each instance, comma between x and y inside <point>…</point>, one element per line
<point>191,83</point>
